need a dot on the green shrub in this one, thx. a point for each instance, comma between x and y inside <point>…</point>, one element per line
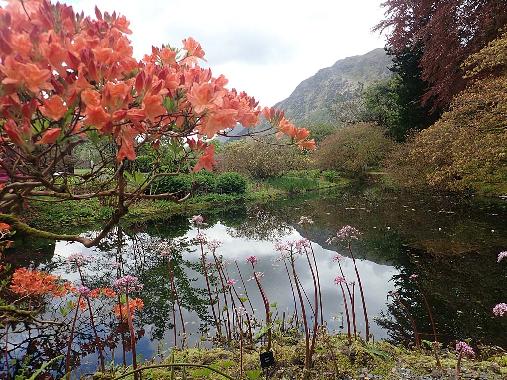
<point>181,183</point>
<point>230,183</point>
<point>204,182</point>
<point>353,149</point>
<point>293,184</point>
<point>142,164</point>
<point>261,159</point>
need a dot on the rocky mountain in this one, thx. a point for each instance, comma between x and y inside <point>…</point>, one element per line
<point>332,91</point>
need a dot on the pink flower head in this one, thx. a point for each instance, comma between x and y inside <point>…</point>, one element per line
<point>500,309</point>
<point>166,249</point>
<point>305,220</point>
<point>301,244</point>
<point>252,259</point>
<point>339,280</point>
<point>83,290</point>
<point>281,246</point>
<point>501,256</point>
<point>413,276</point>
<point>128,284</point>
<point>231,282</point>
<point>197,220</point>
<point>77,259</point>
<point>337,258</point>
<point>348,233</point>
<point>213,244</point>
<point>201,238</point>
<point>465,350</point>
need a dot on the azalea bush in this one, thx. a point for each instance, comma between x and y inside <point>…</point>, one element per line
<point>69,79</point>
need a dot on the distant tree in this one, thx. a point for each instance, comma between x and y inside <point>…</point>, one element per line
<point>395,103</point>
<point>448,31</point>
<point>353,149</point>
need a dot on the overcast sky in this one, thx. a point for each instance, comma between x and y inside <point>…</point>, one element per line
<point>265,47</point>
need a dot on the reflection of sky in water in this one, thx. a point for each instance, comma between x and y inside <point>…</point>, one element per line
<point>375,280</point>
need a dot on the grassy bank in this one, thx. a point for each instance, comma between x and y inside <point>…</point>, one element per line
<point>334,359</point>
<point>90,212</point>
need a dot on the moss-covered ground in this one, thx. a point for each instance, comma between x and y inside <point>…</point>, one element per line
<point>334,358</point>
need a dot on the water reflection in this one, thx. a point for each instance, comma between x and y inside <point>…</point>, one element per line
<point>402,235</point>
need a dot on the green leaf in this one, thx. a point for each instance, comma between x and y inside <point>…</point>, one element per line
<point>253,374</point>
<point>43,367</point>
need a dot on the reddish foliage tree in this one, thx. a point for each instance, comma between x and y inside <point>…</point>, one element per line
<point>67,80</point>
<point>449,31</point>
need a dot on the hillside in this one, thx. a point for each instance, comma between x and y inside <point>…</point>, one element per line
<point>322,97</point>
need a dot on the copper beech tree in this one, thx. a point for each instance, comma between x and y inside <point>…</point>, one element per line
<point>68,80</point>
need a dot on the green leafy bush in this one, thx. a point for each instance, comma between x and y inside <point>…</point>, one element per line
<point>353,149</point>
<point>260,159</point>
<point>230,183</point>
<point>204,182</point>
<point>181,183</point>
<point>142,164</point>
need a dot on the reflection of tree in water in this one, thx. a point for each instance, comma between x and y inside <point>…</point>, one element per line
<point>32,344</point>
<point>461,293</point>
<point>140,255</point>
<point>261,223</point>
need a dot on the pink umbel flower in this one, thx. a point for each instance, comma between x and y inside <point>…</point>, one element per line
<point>252,259</point>
<point>500,309</point>
<point>127,283</point>
<point>197,220</point>
<point>337,258</point>
<point>305,220</point>
<point>348,233</point>
<point>465,350</point>
<point>213,244</point>
<point>77,259</point>
<point>501,256</point>
<point>301,244</point>
<point>231,282</point>
<point>83,290</point>
<point>201,238</point>
<point>166,248</point>
<point>413,276</point>
<point>339,280</point>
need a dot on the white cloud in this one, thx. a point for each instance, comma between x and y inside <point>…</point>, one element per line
<point>264,47</point>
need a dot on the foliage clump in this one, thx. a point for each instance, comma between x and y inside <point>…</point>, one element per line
<point>261,160</point>
<point>353,149</point>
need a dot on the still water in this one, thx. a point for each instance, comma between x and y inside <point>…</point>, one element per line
<point>450,244</point>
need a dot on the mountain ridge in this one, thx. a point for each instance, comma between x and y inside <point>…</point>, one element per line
<point>312,100</point>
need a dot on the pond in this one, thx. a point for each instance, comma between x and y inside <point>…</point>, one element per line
<point>450,244</point>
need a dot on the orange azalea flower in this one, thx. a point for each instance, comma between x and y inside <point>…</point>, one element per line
<point>50,136</point>
<point>106,292</point>
<point>4,227</point>
<point>134,304</point>
<point>53,108</point>
<point>168,56</point>
<point>193,48</point>
<point>91,98</point>
<point>207,160</point>
<point>307,144</point>
<point>152,106</point>
<point>32,282</point>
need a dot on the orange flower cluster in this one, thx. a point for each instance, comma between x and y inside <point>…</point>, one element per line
<point>79,76</point>
<point>106,292</point>
<point>4,228</point>
<point>134,304</point>
<point>26,282</point>
<point>285,127</point>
